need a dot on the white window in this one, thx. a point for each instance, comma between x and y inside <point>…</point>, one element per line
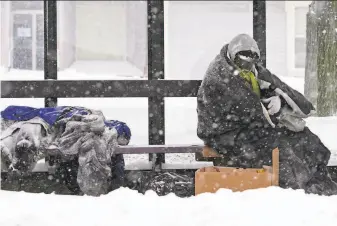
<point>27,39</point>
<point>300,36</point>
<point>296,14</point>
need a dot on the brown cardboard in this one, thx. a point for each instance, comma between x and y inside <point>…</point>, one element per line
<point>211,179</point>
<point>209,152</point>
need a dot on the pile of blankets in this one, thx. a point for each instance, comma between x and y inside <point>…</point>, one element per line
<point>29,134</point>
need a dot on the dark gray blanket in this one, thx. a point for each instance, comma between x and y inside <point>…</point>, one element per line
<point>232,121</point>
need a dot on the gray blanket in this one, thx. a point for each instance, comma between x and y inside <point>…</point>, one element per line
<point>85,137</point>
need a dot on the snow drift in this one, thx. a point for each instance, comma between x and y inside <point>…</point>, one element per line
<point>262,207</point>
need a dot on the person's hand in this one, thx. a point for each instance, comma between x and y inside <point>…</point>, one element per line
<point>274,105</point>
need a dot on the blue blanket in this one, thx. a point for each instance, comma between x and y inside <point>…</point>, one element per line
<point>53,114</point>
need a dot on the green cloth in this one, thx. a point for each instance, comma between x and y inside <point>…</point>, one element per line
<point>251,81</point>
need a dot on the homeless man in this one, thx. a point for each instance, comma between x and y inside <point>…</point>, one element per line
<point>72,134</point>
<point>245,111</point>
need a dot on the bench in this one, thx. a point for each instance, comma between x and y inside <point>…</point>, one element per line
<point>204,156</point>
<point>141,149</point>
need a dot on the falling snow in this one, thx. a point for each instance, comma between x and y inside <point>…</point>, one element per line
<point>108,41</point>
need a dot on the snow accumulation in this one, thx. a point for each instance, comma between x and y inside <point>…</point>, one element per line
<point>82,70</point>
<point>262,207</point>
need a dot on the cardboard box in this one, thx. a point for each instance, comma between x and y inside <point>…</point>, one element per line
<point>211,179</point>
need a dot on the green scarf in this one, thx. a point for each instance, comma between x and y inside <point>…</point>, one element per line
<point>251,81</point>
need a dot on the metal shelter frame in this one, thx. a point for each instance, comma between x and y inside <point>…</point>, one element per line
<point>155,88</point>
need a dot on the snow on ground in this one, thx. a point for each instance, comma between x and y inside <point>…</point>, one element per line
<point>82,70</point>
<point>261,207</point>
<point>180,113</point>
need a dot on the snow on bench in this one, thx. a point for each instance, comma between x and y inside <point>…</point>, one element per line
<point>41,166</point>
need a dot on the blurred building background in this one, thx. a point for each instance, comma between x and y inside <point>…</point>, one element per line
<point>108,39</point>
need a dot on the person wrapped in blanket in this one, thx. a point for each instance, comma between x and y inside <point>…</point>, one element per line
<point>68,134</point>
<point>245,111</point>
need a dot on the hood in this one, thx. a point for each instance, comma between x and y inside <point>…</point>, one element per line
<point>242,42</point>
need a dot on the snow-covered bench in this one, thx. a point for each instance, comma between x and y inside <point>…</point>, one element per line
<point>202,157</point>
<point>42,165</point>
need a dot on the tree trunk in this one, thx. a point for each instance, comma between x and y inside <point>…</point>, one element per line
<point>310,81</point>
<point>321,62</point>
